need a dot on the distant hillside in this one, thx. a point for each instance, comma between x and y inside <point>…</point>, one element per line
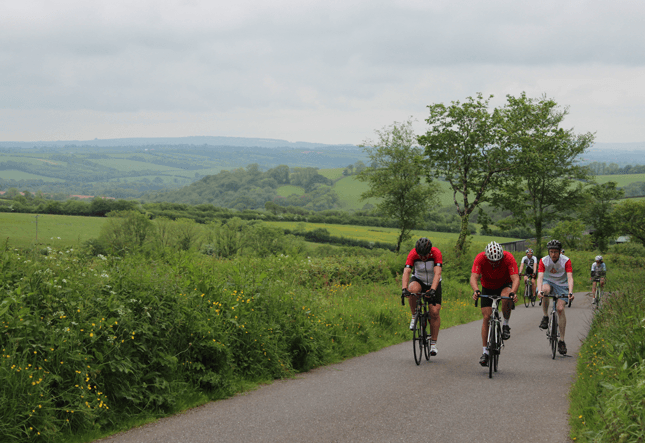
<point>620,153</point>
<point>178,141</point>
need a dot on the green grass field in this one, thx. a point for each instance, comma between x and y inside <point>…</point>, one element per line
<point>387,235</point>
<point>349,191</point>
<point>331,174</point>
<point>621,180</point>
<point>53,230</point>
<point>20,175</point>
<point>287,190</point>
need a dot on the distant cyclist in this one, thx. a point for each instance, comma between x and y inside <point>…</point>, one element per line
<point>422,273</point>
<point>555,275</point>
<point>531,263</point>
<point>598,266</point>
<point>498,273</point>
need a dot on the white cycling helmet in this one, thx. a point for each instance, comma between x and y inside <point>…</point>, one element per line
<point>598,257</point>
<point>494,251</point>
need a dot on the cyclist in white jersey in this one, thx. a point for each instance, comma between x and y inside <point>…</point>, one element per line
<point>555,275</point>
<point>598,266</point>
<point>531,263</point>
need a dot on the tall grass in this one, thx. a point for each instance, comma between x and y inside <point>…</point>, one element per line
<point>91,343</point>
<point>608,396</point>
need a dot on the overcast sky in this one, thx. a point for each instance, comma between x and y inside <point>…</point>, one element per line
<point>318,71</point>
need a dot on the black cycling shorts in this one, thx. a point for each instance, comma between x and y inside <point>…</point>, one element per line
<point>487,302</point>
<point>426,288</point>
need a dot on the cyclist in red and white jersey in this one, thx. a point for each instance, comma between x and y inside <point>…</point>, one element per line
<point>422,273</point>
<point>499,276</point>
<point>555,275</point>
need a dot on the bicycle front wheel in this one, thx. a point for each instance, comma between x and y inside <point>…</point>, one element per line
<point>554,334</point>
<point>492,346</point>
<point>527,296</point>
<point>498,348</point>
<point>417,340</point>
<point>426,339</point>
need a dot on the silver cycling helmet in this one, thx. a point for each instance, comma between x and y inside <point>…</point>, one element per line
<point>494,251</point>
<point>598,257</point>
<point>554,244</point>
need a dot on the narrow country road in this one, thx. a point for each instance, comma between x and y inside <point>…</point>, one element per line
<point>385,397</point>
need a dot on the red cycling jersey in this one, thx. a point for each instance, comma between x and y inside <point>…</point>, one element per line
<point>498,276</point>
<point>424,270</point>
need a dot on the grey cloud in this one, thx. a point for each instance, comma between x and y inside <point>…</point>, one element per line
<point>298,57</point>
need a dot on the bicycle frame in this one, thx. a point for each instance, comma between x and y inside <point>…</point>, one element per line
<point>495,341</point>
<point>553,331</point>
<point>597,295</point>
<point>529,290</point>
<point>420,335</point>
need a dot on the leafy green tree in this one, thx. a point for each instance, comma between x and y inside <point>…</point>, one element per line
<point>630,219</point>
<point>544,183</point>
<point>186,233</point>
<point>280,174</point>
<point>598,212</point>
<point>463,146</point>
<point>570,233</point>
<point>484,220</point>
<point>396,178</point>
<point>125,230</point>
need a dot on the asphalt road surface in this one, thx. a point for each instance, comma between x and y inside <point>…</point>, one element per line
<point>385,397</point>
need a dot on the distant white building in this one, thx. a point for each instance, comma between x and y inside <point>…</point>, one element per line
<point>623,239</point>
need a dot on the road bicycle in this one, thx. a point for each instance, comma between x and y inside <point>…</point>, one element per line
<point>420,336</point>
<point>529,296</point>
<point>552,331</point>
<point>597,295</point>
<point>495,341</point>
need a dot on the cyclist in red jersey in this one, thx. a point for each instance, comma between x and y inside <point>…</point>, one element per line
<point>498,273</point>
<point>422,273</point>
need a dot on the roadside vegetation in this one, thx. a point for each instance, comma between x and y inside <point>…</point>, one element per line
<point>94,342</point>
<point>608,396</point>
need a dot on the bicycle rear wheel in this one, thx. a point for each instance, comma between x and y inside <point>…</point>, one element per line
<point>426,339</point>
<point>533,296</point>
<point>417,340</point>
<point>554,334</point>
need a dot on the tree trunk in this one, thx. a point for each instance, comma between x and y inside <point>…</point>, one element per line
<point>399,241</point>
<point>461,241</point>
<point>538,237</point>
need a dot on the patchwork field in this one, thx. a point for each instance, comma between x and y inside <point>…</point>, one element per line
<point>52,230</point>
<point>621,180</point>
<point>387,235</point>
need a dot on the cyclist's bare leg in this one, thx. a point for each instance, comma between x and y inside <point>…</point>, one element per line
<point>602,283</point>
<point>562,318</point>
<point>413,287</point>
<point>435,321</point>
<point>486,313</point>
<point>593,288</point>
<point>546,288</point>
<point>506,304</point>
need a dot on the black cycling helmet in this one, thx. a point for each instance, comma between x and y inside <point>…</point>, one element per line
<point>423,246</point>
<point>554,244</point>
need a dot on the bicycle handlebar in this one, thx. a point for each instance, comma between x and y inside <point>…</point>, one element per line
<point>556,296</point>
<point>495,297</point>
<point>416,294</point>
